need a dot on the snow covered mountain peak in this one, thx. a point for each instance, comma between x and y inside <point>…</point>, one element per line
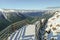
<point>7,10</point>
<point>53,25</point>
<point>54,22</point>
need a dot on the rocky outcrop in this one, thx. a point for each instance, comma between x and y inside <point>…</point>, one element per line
<point>53,27</point>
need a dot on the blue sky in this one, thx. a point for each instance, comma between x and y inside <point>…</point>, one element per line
<point>29,4</point>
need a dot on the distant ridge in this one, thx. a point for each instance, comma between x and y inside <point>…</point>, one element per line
<point>53,7</point>
<point>19,10</point>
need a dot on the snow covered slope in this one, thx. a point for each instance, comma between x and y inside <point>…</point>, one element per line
<point>53,26</point>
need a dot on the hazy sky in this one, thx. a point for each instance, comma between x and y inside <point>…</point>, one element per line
<point>29,4</point>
